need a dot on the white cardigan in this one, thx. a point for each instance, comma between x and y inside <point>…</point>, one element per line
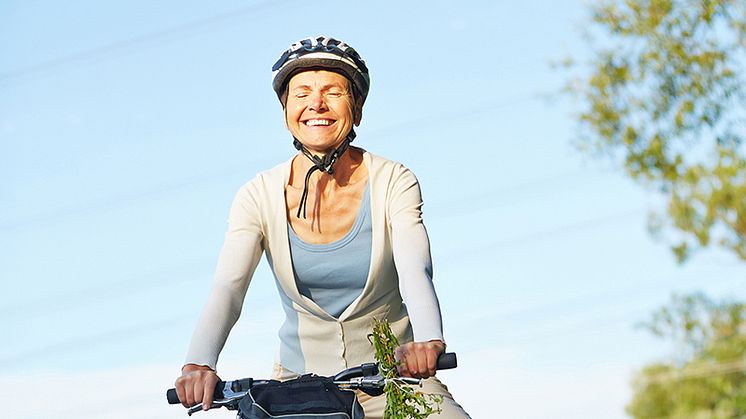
<point>311,340</point>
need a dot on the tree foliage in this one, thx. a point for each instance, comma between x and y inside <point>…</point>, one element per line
<point>709,381</point>
<point>664,95</point>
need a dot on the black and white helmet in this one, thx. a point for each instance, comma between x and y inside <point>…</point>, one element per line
<point>323,53</point>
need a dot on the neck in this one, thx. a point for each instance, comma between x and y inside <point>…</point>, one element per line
<point>344,169</point>
<point>337,172</point>
<point>325,162</point>
<point>321,153</point>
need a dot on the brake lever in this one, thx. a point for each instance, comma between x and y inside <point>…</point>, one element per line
<point>194,409</point>
<point>229,403</point>
<point>374,384</point>
<point>375,381</point>
<point>408,380</point>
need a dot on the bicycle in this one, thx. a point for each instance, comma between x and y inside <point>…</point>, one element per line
<point>247,393</point>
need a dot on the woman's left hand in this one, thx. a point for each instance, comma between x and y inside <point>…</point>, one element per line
<point>419,359</point>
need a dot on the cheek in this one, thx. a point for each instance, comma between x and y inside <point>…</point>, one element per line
<point>291,116</point>
<point>349,113</point>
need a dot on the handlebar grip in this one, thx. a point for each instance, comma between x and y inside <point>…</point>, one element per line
<point>173,398</point>
<point>447,361</point>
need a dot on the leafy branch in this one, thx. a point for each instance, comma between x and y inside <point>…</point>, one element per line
<point>402,400</point>
<point>663,94</point>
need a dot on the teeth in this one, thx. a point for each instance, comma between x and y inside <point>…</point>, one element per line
<point>317,122</point>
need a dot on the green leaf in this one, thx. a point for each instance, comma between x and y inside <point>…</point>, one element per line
<point>402,401</point>
<point>664,95</point>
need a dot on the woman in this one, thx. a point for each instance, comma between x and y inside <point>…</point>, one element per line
<point>343,233</point>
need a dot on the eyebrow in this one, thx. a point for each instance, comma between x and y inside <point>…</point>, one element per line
<point>323,88</point>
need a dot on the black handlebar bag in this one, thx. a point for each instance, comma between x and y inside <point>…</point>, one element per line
<point>306,397</point>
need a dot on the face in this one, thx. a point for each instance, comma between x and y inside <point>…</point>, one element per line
<point>319,109</point>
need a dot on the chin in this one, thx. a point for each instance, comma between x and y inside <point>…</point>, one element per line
<point>321,144</point>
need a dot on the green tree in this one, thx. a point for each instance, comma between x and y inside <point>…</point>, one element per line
<point>663,95</point>
<point>709,378</point>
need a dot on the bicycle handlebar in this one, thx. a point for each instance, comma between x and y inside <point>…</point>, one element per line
<point>445,361</point>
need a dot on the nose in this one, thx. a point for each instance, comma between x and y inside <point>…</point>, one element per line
<point>316,102</point>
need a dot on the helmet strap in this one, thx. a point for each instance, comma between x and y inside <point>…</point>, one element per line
<point>324,164</point>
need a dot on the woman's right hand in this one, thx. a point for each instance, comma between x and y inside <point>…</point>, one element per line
<point>196,385</point>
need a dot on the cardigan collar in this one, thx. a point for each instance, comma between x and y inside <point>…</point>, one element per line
<point>280,248</point>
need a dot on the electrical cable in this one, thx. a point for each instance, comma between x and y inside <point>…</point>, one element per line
<point>214,22</point>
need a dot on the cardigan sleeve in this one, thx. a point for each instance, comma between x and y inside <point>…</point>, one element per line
<point>239,256</point>
<point>411,248</point>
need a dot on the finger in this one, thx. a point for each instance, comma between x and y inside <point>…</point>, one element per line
<point>181,391</point>
<point>432,361</point>
<point>401,354</point>
<point>412,362</point>
<point>189,390</point>
<point>404,368</point>
<point>197,391</point>
<point>422,362</point>
<point>209,391</point>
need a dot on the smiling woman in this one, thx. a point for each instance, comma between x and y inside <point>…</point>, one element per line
<point>361,253</point>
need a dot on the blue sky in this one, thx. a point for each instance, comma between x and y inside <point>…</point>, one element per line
<point>126,128</point>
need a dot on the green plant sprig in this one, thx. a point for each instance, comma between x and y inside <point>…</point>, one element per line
<point>402,400</point>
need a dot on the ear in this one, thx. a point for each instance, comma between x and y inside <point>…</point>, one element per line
<point>358,112</point>
<point>285,116</point>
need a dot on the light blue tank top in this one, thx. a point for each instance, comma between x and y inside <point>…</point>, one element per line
<point>334,274</point>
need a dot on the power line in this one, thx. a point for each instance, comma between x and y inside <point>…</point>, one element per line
<point>697,371</point>
<point>501,243</point>
<point>437,208</point>
<point>127,332</point>
<point>210,23</point>
<point>109,290</point>
<point>564,229</point>
<point>77,57</point>
<point>95,293</point>
<point>592,324</point>
<point>57,215</point>
<point>621,297</point>
<point>463,113</point>
<point>144,328</point>
<point>119,334</point>
<point>67,345</point>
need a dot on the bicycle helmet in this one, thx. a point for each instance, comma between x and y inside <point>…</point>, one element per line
<point>323,53</point>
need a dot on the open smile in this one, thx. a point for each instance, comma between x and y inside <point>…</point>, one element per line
<point>319,122</point>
